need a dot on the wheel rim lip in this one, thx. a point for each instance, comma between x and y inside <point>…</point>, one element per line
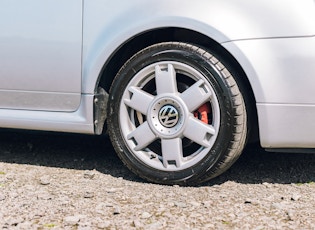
<point>141,78</point>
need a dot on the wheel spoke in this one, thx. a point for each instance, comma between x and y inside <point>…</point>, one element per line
<point>196,95</point>
<point>165,79</point>
<point>172,151</point>
<point>142,136</point>
<point>199,132</point>
<point>139,100</point>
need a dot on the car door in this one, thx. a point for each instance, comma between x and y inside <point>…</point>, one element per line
<point>40,54</point>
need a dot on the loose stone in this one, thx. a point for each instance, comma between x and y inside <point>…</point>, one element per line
<point>72,220</point>
<point>44,180</point>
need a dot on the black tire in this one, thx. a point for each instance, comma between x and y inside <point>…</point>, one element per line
<point>166,142</point>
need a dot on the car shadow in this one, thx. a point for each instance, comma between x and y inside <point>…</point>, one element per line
<point>258,166</point>
<point>85,152</point>
<point>71,151</point>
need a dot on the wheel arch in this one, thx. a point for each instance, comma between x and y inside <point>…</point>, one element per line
<point>140,41</point>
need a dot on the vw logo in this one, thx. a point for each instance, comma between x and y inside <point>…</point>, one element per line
<point>168,116</point>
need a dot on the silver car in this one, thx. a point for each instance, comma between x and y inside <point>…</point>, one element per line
<point>180,86</point>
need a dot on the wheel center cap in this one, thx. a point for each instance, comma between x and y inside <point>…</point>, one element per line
<point>168,116</point>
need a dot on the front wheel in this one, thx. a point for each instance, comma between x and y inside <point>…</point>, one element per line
<point>176,115</point>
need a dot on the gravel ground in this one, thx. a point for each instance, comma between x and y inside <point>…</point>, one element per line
<point>59,181</point>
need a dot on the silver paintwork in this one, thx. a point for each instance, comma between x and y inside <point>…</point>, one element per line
<point>282,75</point>
<point>40,53</point>
<point>107,24</point>
<point>52,54</point>
<point>80,121</point>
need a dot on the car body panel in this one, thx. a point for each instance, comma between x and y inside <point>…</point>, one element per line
<point>282,76</point>
<point>41,43</point>
<point>280,71</point>
<point>108,25</point>
<point>80,121</point>
<point>286,125</point>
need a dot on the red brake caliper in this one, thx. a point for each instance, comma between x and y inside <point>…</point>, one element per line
<point>202,113</point>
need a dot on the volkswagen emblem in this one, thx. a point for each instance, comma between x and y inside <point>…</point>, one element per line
<point>168,116</point>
